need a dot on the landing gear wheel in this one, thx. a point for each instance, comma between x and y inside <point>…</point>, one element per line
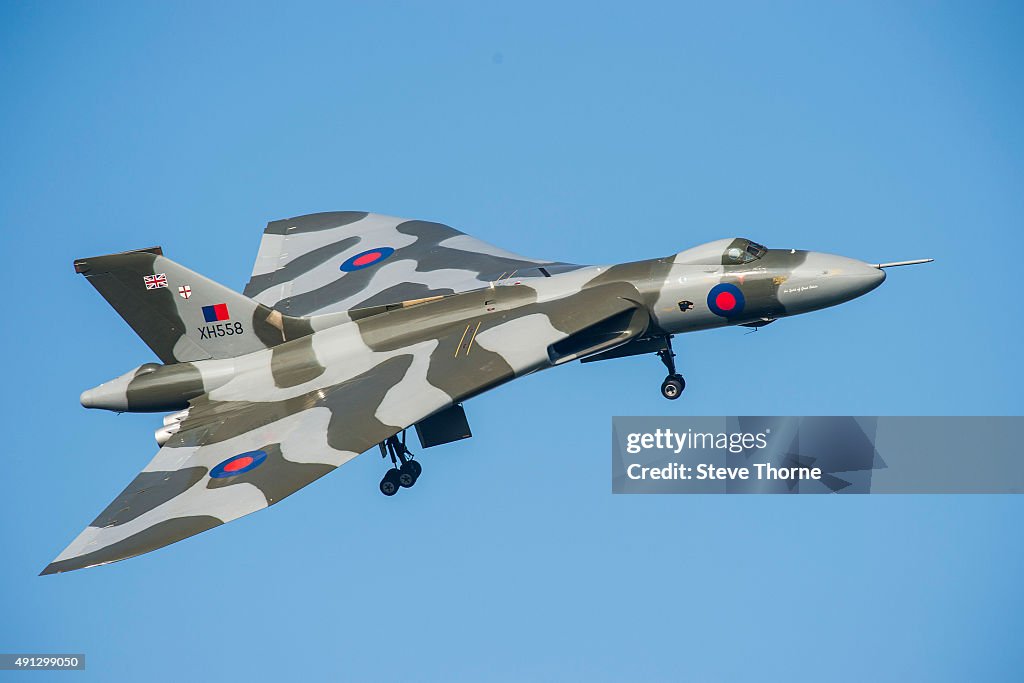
<point>672,387</point>
<point>414,468</point>
<point>389,484</point>
<point>409,473</point>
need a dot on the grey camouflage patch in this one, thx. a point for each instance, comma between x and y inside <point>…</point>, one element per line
<point>147,491</point>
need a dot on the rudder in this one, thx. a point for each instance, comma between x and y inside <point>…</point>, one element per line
<point>181,315</point>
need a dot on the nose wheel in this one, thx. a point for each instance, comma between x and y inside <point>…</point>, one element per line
<point>672,387</point>
<point>402,475</point>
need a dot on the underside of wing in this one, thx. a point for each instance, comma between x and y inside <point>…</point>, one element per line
<point>339,261</point>
<point>230,459</point>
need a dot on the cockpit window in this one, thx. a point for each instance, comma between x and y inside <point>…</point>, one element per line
<point>755,250</point>
<point>745,254</point>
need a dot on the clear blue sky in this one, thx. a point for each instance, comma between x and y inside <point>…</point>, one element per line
<point>590,133</point>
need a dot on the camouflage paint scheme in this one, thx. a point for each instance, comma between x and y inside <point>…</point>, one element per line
<point>337,352</point>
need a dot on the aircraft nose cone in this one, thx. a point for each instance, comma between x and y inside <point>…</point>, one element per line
<point>863,278</point>
<point>844,278</point>
<point>826,280</point>
<point>847,278</point>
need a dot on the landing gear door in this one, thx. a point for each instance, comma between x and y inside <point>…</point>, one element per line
<point>444,427</point>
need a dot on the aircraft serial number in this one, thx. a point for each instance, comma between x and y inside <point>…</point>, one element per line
<point>220,330</point>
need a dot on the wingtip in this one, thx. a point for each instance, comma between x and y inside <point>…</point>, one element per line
<point>68,565</point>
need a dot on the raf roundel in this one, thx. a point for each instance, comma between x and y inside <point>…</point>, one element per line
<point>238,464</point>
<point>726,300</point>
<point>366,259</point>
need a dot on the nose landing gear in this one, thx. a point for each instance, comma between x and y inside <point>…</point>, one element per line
<point>672,387</point>
<point>399,476</point>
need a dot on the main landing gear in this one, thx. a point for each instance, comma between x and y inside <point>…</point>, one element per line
<point>672,387</point>
<point>399,476</point>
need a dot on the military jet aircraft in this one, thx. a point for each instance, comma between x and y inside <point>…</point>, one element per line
<point>355,327</point>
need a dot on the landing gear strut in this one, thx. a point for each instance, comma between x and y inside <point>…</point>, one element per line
<point>399,476</point>
<point>674,384</point>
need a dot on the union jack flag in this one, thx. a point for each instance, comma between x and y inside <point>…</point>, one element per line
<point>155,281</point>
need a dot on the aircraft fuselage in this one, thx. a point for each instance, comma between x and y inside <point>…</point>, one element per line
<point>698,289</point>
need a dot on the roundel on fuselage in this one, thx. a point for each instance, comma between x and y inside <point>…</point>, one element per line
<point>726,300</point>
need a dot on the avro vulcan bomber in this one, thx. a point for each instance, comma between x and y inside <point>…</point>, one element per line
<point>356,327</point>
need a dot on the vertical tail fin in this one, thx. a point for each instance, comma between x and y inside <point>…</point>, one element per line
<point>181,315</point>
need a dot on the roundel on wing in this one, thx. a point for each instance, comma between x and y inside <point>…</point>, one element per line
<point>726,300</point>
<point>238,464</point>
<point>365,259</point>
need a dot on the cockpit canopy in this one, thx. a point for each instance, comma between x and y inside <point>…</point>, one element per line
<point>744,251</point>
<point>727,252</point>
